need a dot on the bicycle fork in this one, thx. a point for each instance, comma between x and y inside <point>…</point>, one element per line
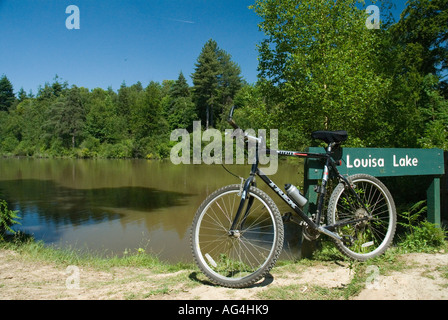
<point>237,224</point>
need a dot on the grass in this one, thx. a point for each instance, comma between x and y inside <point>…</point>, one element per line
<point>177,281</point>
<point>37,250</point>
<point>363,272</point>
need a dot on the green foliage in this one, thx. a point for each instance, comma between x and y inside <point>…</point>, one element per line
<point>423,26</point>
<point>66,116</point>
<point>7,219</point>
<point>7,97</point>
<point>180,111</point>
<point>420,235</point>
<point>216,81</point>
<point>321,58</point>
<point>320,67</point>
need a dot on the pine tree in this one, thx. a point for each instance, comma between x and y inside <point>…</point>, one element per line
<point>180,87</point>
<point>7,97</point>
<point>22,95</point>
<point>181,111</point>
<point>230,80</point>
<point>216,81</point>
<point>205,80</point>
<point>67,116</point>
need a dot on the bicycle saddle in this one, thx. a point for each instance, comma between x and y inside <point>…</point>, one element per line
<point>330,136</point>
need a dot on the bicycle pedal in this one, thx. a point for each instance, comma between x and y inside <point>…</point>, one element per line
<point>287,217</point>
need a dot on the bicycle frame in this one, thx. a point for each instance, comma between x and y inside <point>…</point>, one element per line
<point>330,163</point>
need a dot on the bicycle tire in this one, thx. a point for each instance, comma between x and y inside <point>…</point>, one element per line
<point>236,262</point>
<point>371,238</point>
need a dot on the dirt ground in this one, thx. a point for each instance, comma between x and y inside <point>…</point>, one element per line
<point>424,277</point>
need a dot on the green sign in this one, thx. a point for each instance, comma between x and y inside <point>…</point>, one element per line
<point>382,162</point>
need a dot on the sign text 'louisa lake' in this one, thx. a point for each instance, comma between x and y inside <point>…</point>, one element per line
<point>385,162</point>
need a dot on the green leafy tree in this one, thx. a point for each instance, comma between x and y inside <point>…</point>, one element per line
<point>125,100</point>
<point>318,60</point>
<point>415,59</point>
<point>423,26</point>
<point>102,119</point>
<point>145,114</point>
<point>53,91</point>
<point>434,114</point>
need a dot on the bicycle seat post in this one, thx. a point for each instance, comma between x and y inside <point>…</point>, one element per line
<point>330,147</point>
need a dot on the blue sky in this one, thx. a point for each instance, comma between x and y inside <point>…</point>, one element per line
<point>118,40</point>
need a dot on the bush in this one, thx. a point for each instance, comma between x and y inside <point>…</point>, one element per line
<point>121,150</point>
<point>7,219</point>
<point>24,148</point>
<point>420,235</point>
<point>9,144</point>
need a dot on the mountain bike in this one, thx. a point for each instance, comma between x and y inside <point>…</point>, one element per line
<point>237,232</point>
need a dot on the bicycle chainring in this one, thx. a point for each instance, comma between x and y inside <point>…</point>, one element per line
<point>310,234</point>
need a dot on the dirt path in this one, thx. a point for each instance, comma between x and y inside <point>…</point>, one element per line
<point>425,276</point>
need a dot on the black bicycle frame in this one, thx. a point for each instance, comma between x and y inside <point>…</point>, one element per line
<point>329,164</point>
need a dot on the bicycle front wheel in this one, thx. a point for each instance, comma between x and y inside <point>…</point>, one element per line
<point>370,224</point>
<point>240,257</point>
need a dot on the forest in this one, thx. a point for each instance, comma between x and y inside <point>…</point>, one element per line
<point>320,68</point>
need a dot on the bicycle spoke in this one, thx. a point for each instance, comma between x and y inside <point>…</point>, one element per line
<point>372,212</point>
<point>235,254</point>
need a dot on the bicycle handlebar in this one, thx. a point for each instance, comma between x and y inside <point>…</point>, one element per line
<point>230,119</point>
<point>236,127</point>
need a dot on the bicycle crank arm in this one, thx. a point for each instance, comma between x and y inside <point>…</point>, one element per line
<point>330,234</point>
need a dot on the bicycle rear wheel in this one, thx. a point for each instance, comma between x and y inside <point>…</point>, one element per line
<point>240,258</point>
<point>370,237</point>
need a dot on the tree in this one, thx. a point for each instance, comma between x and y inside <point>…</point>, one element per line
<point>180,88</point>
<point>145,114</point>
<point>319,59</point>
<point>102,120</point>
<point>216,80</point>
<point>181,110</point>
<point>414,58</point>
<point>124,100</point>
<point>423,26</point>
<point>205,80</point>
<point>67,116</point>
<point>21,95</point>
<point>7,96</point>
<point>230,80</point>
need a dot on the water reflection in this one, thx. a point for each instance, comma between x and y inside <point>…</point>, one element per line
<point>114,205</point>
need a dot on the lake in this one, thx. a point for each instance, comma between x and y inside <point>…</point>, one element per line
<point>116,206</point>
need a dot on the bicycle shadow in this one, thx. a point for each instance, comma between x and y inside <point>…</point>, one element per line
<point>268,279</point>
